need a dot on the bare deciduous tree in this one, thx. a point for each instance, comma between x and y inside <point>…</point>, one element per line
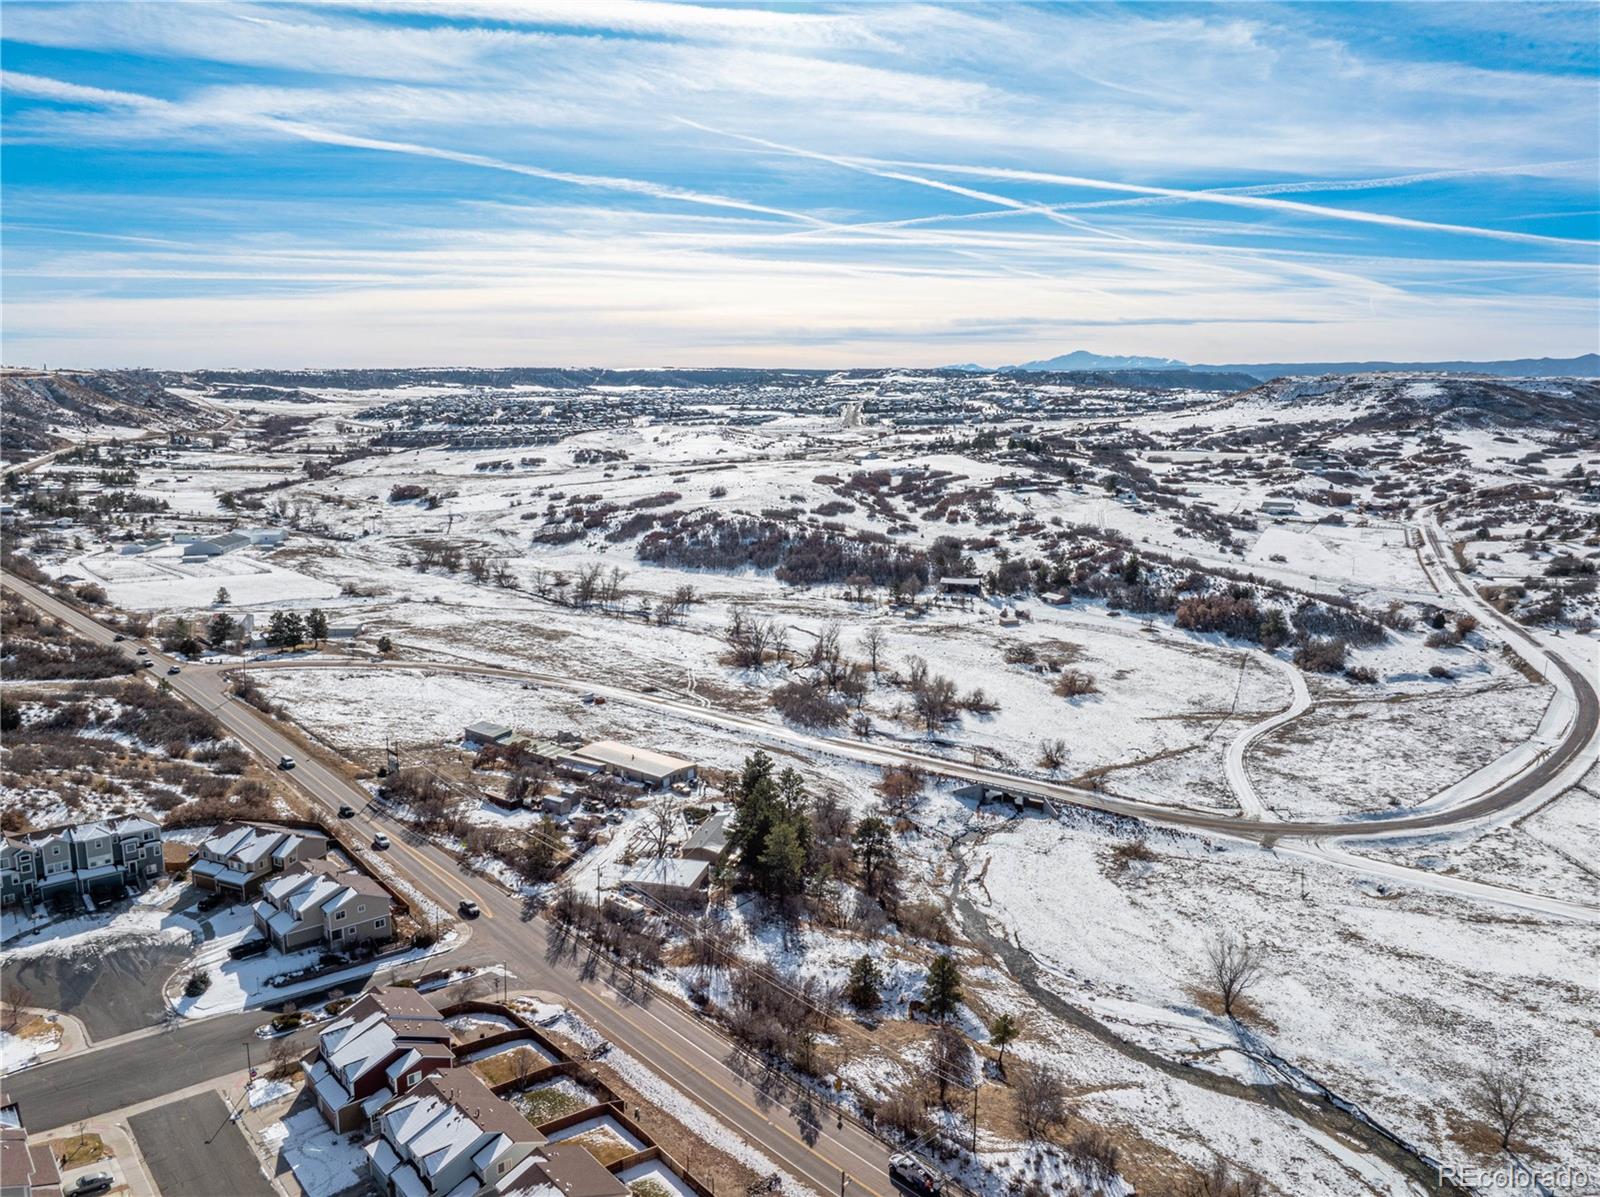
<point>873,643</point>
<point>1234,965</point>
<point>950,1059</point>
<point>1507,1097</point>
<point>1041,1100</point>
<point>660,823</point>
<point>1052,754</point>
<point>1221,1181</point>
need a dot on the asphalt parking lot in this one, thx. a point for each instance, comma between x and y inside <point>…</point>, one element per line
<point>193,1150</point>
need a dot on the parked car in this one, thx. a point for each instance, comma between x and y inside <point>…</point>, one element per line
<point>286,762</point>
<point>469,908</point>
<point>346,811</point>
<point>210,902</point>
<point>249,947</point>
<point>380,841</point>
<point>95,1182</point>
<point>172,669</point>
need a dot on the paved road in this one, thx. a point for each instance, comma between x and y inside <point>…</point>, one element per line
<point>193,1149</point>
<point>133,1070</point>
<point>1495,799</point>
<point>672,1042</point>
<point>690,1053</point>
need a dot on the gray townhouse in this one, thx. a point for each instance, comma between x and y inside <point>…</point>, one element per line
<point>99,859</point>
<point>239,857</point>
<point>315,904</point>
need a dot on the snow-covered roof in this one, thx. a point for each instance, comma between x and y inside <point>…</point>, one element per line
<point>625,756</point>
<point>352,1048</point>
<point>667,870</point>
<point>326,1086</point>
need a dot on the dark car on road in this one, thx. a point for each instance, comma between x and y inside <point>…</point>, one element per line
<point>346,811</point>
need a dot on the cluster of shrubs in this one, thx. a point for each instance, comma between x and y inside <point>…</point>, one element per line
<point>37,649</point>
<point>800,556</point>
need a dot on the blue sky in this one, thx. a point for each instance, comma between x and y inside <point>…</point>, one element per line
<point>640,183</point>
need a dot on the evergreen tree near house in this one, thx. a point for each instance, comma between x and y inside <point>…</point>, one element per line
<point>770,835</point>
<point>941,992</point>
<point>223,598</point>
<point>221,630</point>
<point>285,629</point>
<point>317,625</point>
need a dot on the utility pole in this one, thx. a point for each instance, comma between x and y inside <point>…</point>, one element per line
<point>975,1118</point>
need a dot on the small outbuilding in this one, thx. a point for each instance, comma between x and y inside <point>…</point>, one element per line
<point>484,732</point>
<point>709,840</point>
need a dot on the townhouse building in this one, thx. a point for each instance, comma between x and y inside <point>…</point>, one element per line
<point>317,904</point>
<point>239,858</point>
<point>379,1049</point>
<point>98,859</point>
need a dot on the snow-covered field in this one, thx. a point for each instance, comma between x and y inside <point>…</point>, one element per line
<point>1385,986</point>
<point>1389,996</point>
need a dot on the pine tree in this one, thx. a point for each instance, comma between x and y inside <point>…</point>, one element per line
<point>317,625</point>
<point>285,629</point>
<point>221,630</point>
<point>222,598</point>
<point>873,849</point>
<point>783,861</point>
<point>941,992</point>
<point>861,989</point>
<point>1002,1031</point>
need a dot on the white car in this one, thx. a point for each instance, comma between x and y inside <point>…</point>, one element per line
<point>380,841</point>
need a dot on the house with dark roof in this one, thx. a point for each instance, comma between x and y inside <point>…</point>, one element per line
<point>24,1171</point>
<point>379,1049</point>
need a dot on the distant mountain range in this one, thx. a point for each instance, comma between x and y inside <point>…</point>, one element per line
<point>1586,366</point>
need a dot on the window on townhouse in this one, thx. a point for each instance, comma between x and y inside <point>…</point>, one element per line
<point>339,918</point>
<point>380,924</point>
